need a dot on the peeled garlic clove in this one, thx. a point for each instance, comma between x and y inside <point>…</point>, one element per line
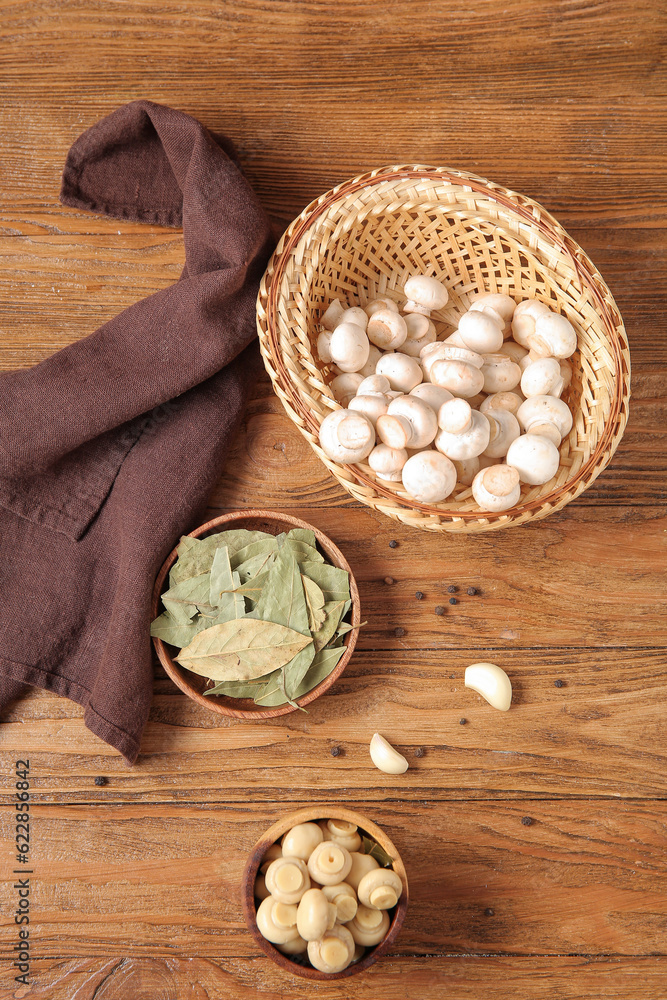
<point>386,758</point>
<point>491,682</point>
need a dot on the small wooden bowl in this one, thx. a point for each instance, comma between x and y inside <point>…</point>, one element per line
<point>273,834</point>
<point>193,685</point>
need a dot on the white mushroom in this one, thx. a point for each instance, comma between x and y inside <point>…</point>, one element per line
<point>542,378</point>
<point>455,340</point>
<point>315,915</point>
<point>502,304</point>
<point>418,326</point>
<point>464,432</point>
<point>345,386</point>
<point>349,347</point>
<point>421,417</point>
<point>332,314</point>
<point>369,926</point>
<point>276,921</point>
<point>501,374</point>
<point>466,469</point>
<point>373,384</point>
<point>356,315</point>
<point>334,951</point>
<point>324,347</point>
<point>429,476</point>
<point>374,355</point>
<point>380,889</point>
<point>424,294</point>
<point>361,863</point>
<point>480,332</point>
<point>387,329</point>
<point>376,305</point>
<point>346,436</point>
<point>565,372</point>
<point>344,898</point>
<point>513,350</point>
<point>554,336</point>
<point>547,416</point>
<point>415,347</point>
<point>496,488</point>
<point>403,372</point>
<point>525,316</point>
<point>504,429</point>
<point>287,879</point>
<point>300,841</point>
<point>329,863</point>
<point>387,463</point>
<point>372,406</point>
<point>457,370</point>
<point>339,831</point>
<point>434,395</point>
<point>502,401</point>
<point>534,457</point>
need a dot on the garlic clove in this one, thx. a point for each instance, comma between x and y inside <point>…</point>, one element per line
<point>491,682</point>
<point>385,757</point>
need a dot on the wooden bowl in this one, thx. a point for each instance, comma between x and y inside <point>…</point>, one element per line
<point>273,834</point>
<point>193,685</point>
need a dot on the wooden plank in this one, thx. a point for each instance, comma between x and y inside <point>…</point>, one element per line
<point>602,733</point>
<point>394,978</point>
<point>135,879</point>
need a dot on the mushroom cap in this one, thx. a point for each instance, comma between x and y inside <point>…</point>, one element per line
<point>565,372</point>
<point>496,488</point>
<point>393,430</point>
<point>300,841</point>
<point>344,899</point>
<point>261,892</point>
<point>513,350</point>
<point>361,863</point>
<point>334,951</point>
<point>296,946</point>
<point>455,340</point>
<point>371,406</point>
<point>501,374</point>
<point>374,355</point>
<point>315,915</point>
<point>342,832</point>
<point>429,477</point>
<point>387,463</point>
<point>414,347</point>
<point>287,879</point>
<point>424,294</point>
<point>369,926</point>
<point>345,386</point>
<point>460,377</point>
<point>501,401</point>
<point>324,347</point>
<point>504,429</point>
<point>545,409</point>
<point>466,469</point>
<point>534,457</point>
<point>275,931</point>
<point>349,347</point>
<point>356,315</point>
<point>380,889</point>
<point>403,372</point>
<point>434,395</point>
<point>375,305</point>
<point>373,384</point>
<point>542,378</point>
<point>525,316</point>
<point>418,326</point>
<point>504,305</point>
<point>332,314</point>
<point>468,443</point>
<point>347,436</point>
<point>480,332</point>
<point>554,336</point>
<point>421,417</point>
<point>329,863</point>
<point>387,329</point>
<point>272,852</point>
<point>455,416</point>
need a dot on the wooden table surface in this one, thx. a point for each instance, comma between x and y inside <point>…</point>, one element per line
<point>534,841</point>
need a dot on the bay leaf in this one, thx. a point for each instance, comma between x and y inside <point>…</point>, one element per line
<point>195,555</point>
<point>314,603</point>
<point>334,612</point>
<point>182,600</point>
<point>306,535</point>
<point>303,552</point>
<point>237,689</point>
<point>224,583</point>
<point>323,664</point>
<point>242,649</point>
<point>272,693</point>
<point>258,547</point>
<point>168,629</point>
<point>255,565</point>
<point>332,581</point>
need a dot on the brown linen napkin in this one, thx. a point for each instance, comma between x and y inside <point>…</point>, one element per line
<point>109,448</point>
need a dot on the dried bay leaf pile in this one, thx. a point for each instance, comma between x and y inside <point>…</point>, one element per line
<point>259,614</point>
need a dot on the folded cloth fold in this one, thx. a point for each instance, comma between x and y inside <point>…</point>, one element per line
<point>109,449</point>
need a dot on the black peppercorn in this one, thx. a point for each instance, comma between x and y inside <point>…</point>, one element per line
<point>526,820</point>
<point>452,589</point>
<point>488,912</point>
<point>335,751</point>
<point>452,600</point>
<point>101,780</point>
<point>399,632</point>
<point>471,591</point>
<point>393,544</point>
<point>419,595</point>
<point>462,722</point>
<point>559,683</point>
<point>419,752</point>
<point>439,610</point>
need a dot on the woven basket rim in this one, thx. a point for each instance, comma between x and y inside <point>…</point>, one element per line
<point>534,215</point>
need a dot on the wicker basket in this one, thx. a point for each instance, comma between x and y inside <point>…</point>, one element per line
<point>365,238</point>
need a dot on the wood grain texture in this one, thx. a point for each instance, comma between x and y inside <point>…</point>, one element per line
<point>602,733</point>
<point>591,881</point>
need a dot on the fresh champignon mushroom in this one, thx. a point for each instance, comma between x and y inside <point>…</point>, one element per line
<point>332,314</point>
<point>287,879</point>
<point>387,463</point>
<point>418,326</point>
<point>376,305</point>
<point>464,432</point>
<point>542,378</point>
<point>429,476</point>
<point>329,863</point>
<point>457,370</point>
<point>524,319</point>
<point>504,428</point>
<point>534,457</point>
<point>403,372</point>
<point>387,330</point>
<point>347,436</point>
<point>349,347</point>
<point>276,921</point>
<point>344,387</point>
<point>513,350</point>
<point>547,416</point>
<point>315,915</point>
<point>344,898</point>
<point>371,406</point>
<point>374,355</point>
<point>502,401</point>
<point>380,889</point>
<point>434,395</point>
<point>421,418</point>
<point>374,384</point>
<point>324,347</point>
<point>565,372</point>
<point>496,488</point>
<point>334,951</point>
<point>501,374</point>
<point>301,840</point>
<point>502,304</point>
<point>455,340</point>
<point>369,926</point>
<point>356,315</point>
<point>554,336</point>
<point>361,864</point>
<point>414,347</point>
<point>480,332</point>
<point>344,833</point>
<point>466,469</point>
<point>424,294</point>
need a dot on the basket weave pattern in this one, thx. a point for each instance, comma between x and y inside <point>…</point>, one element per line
<point>365,238</point>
